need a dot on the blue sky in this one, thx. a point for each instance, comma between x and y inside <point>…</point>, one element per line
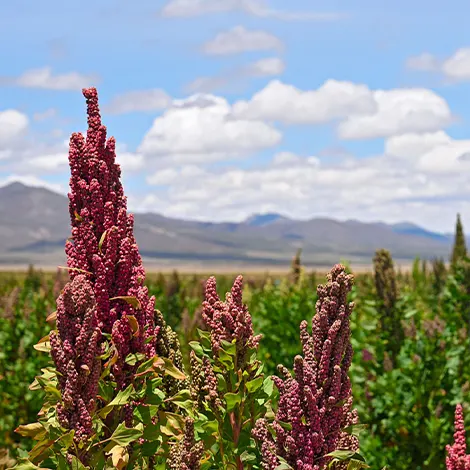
<point>224,108</point>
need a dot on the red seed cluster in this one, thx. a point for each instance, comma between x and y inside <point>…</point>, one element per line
<point>229,320</point>
<point>103,247</point>
<point>75,347</point>
<point>316,400</point>
<point>457,458</point>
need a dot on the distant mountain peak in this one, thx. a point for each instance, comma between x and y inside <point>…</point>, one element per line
<point>15,186</point>
<point>34,223</point>
<point>409,228</point>
<point>260,220</point>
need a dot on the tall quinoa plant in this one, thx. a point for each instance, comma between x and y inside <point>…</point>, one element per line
<point>113,354</point>
<point>315,411</point>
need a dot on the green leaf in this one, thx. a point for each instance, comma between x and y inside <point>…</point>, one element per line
<point>76,464</point>
<point>248,457</point>
<point>150,448</point>
<point>146,366</point>
<point>67,439</point>
<point>171,369</point>
<point>232,400</point>
<point>124,436</point>
<point>25,464</point>
<point>154,396</point>
<point>283,465</point>
<point>182,399</point>
<point>196,347</point>
<point>355,429</point>
<point>152,432</point>
<point>357,464</point>
<point>145,413</point>
<point>133,358</point>
<point>122,398</point>
<point>254,384</point>
<point>410,313</point>
<point>62,463</point>
<point>345,454</point>
<point>225,359</point>
<point>229,347</point>
<point>268,386</point>
<point>286,426</point>
<point>105,391</point>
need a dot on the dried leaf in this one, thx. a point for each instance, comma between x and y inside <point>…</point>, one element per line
<point>33,430</point>
<point>131,300</point>
<point>52,317</point>
<point>119,457</point>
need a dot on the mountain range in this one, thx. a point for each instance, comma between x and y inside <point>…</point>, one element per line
<point>34,224</point>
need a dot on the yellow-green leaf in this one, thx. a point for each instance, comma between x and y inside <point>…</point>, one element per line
<point>34,430</point>
<point>78,270</point>
<point>43,345</point>
<point>102,238</point>
<point>124,436</point>
<point>170,368</point>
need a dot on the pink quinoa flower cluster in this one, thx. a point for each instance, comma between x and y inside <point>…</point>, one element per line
<point>103,248</point>
<point>229,320</point>
<point>457,458</point>
<point>316,399</point>
<point>75,348</point>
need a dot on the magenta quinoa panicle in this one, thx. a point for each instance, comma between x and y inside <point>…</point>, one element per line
<point>75,348</point>
<point>103,247</point>
<point>315,400</point>
<point>457,458</point>
<point>102,241</point>
<point>106,294</point>
<point>229,320</point>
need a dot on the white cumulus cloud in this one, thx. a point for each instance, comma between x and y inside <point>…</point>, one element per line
<point>258,8</point>
<point>455,67</point>
<point>415,145</point>
<point>398,111</point>
<point>267,67</point>
<point>282,102</point>
<point>201,129</point>
<point>44,78</point>
<point>138,100</point>
<point>13,124</point>
<point>239,39</point>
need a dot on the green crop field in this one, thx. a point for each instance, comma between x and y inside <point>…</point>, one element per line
<point>405,392</point>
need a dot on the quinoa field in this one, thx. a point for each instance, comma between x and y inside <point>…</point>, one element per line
<point>103,365</point>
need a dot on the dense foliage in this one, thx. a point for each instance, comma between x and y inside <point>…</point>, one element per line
<point>408,407</point>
